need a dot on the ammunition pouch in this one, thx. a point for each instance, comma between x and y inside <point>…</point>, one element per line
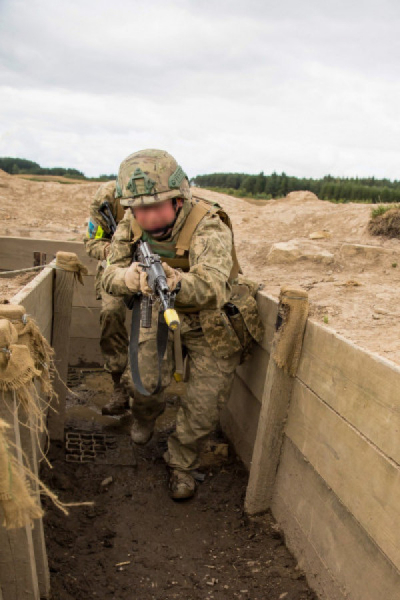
<point>236,325</point>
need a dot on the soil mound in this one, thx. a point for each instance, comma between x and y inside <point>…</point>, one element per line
<point>387,224</point>
<point>368,313</point>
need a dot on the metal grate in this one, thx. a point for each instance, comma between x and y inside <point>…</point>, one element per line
<point>90,447</point>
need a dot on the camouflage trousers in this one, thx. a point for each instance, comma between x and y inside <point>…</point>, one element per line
<point>207,389</point>
<point>114,339</point>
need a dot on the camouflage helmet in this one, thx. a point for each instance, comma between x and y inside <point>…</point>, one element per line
<point>150,177</point>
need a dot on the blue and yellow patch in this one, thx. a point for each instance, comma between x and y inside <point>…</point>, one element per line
<point>95,231</point>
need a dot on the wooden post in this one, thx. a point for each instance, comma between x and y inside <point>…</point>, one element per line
<point>31,446</point>
<point>18,575</point>
<point>63,291</point>
<point>292,316</point>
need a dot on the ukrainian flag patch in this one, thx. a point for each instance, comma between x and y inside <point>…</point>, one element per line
<point>95,231</point>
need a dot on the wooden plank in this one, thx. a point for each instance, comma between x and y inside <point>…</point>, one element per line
<point>359,385</point>
<point>18,575</point>
<point>275,403</point>
<point>340,559</point>
<point>17,252</point>
<point>85,295</point>
<point>267,444</point>
<point>85,322</point>
<point>254,370</point>
<point>239,420</point>
<point>268,310</point>
<point>30,448</point>
<point>63,290</point>
<point>85,352</point>
<point>37,298</point>
<point>46,332</point>
<point>366,481</point>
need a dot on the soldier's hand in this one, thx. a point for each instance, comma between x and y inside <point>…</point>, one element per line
<point>144,286</point>
<point>173,276</point>
<point>132,277</point>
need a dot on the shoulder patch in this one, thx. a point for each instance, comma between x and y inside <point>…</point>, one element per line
<point>94,231</point>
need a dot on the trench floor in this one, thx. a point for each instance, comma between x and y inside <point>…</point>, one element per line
<point>135,542</point>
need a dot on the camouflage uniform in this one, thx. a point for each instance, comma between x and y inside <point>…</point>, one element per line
<point>217,314</point>
<point>113,335</point>
<point>205,288</point>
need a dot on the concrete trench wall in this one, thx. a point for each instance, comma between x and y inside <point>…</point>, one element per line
<point>337,490</point>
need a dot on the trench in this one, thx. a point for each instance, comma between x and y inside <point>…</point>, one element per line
<point>135,542</point>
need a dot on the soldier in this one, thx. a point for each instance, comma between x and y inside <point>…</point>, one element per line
<point>113,335</point>
<point>196,246</point>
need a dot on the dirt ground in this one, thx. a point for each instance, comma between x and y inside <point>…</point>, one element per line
<point>9,286</point>
<point>352,277</point>
<point>135,542</point>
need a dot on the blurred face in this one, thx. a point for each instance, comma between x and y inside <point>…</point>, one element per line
<point>156,217</point>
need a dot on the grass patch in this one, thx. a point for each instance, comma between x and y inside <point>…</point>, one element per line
<point>385,221</point>
<point>382,209</point>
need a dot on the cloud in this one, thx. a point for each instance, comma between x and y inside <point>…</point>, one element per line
<point>225,85</point>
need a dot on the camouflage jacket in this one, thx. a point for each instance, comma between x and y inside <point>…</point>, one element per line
<point>205,285</point>
<point>98,237</point>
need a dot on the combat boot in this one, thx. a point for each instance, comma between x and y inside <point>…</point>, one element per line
<point>182,485</point>
<point>142,431</point>
<point>118,403</point>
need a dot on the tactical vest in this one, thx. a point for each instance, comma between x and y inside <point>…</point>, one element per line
<point>176,255</point>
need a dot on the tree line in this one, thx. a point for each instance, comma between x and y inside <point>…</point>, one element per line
<point>337,189</point>
<point>23,166</point>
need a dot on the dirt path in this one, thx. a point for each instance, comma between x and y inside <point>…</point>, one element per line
<point>135,542</point>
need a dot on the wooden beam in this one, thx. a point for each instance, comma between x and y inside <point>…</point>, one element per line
<point>339,557</point>
<point>63,292</point>
<point>239,419</point>
<point>17,252</point>
<point>37,299</point>
<point>359,385</point>
<point>18,575</point>
<point>292,315</point>
<point>361,476</point>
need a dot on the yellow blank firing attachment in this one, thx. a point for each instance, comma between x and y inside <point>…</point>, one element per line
<point>171,318</point>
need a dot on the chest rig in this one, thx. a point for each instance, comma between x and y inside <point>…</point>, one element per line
<point>176,254</point>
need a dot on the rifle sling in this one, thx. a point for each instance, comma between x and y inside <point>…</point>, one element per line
<point>162,340</point>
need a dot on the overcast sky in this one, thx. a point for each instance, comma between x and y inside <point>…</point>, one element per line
<point>308,88</point>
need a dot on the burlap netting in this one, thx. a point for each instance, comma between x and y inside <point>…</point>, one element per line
<point>17,499</point>
<point>68,261</point>
<point>36,360</point>
<point>25,356</point>
<point>17,366</point>
<point>20,487</point>
<point>288,340</point>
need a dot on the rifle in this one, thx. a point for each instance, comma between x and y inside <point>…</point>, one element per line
<point>141,307</point>
<point>105,211</point>
<point>157,281</point>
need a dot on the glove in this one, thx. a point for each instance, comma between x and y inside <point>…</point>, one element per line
<point>173,276</point>
<point>144,286</point>
<point>132,277</point>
